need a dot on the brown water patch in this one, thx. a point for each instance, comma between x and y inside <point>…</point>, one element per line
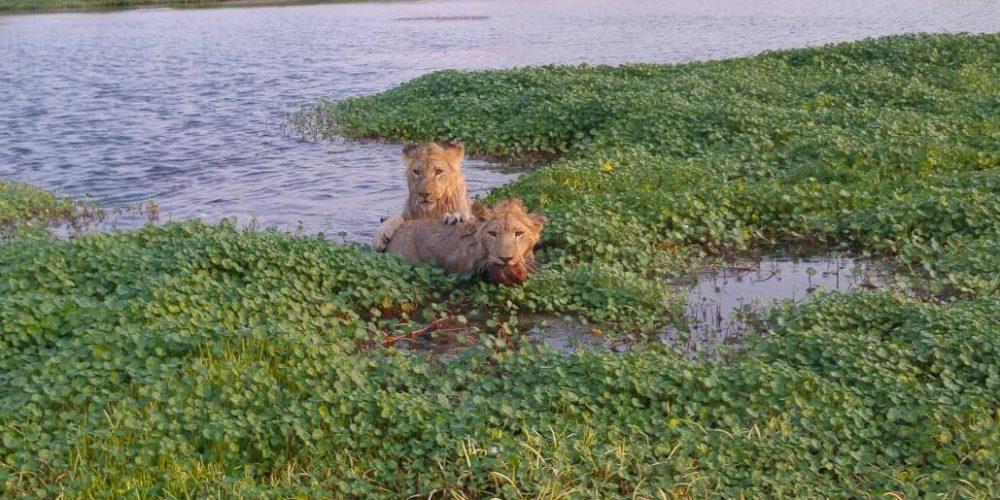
<point>726,305</point>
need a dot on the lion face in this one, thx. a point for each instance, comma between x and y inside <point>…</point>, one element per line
<point>508,236</point>
<point>433,173</point>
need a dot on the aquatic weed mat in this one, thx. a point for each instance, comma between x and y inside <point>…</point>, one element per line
<point>195,360</point>
<point>190,360</point>
<point>30,212</point>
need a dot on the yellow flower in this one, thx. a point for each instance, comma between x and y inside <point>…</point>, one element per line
<point>607,167</point>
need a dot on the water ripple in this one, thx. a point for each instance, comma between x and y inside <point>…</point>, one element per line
<point>187,106</point>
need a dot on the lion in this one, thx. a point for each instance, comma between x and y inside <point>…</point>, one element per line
<point>436,188</point>
<point>499,243</point>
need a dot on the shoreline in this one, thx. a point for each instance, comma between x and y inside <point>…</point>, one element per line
<point>84,7</point>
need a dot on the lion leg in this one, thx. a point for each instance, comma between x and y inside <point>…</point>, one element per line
<point>385,231</point>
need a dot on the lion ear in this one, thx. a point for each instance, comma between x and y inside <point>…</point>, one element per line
<point>455,151</point>
<point>411,150</point>
<point>539,220</point>
<point>480,212</point>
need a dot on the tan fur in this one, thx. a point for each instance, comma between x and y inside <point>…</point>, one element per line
<point>436,188</point>
<point>505,235</point>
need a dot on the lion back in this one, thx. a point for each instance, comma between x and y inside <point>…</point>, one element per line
<point>452,247</point>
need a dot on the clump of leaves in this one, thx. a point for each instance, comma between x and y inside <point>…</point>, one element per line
<point>28,211</point>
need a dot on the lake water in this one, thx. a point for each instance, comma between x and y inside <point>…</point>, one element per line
<point>188,106</point>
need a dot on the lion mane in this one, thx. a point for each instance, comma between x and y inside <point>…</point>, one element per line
<point>436,188</point>
<point>498,243</point>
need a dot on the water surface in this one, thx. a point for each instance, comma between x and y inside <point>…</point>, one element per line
<point>729,303</point>
<point>188,106</point>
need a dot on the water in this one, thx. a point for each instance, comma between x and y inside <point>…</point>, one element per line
<point>724,299</point>
<point>727,304</point>
<point>188,106</point>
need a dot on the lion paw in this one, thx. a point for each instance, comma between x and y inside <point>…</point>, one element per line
<point>385,232</point>
<point>456,217</point>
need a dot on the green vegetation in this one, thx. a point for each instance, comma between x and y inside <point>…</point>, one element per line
<point>27,211</point>
<point>78,5</point>
<point>192,360</point>
<point>85,5</point>
<point>63,5</point>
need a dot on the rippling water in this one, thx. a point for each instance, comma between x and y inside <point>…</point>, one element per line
<point>188,106</point>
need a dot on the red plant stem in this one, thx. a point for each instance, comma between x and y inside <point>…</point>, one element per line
<point>412,333</point>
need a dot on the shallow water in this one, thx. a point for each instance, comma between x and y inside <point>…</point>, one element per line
<point>188,106</point>
<point>726,304</point>
<point>723,297</point>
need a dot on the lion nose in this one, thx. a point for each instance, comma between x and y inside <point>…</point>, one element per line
<point>506,260</point>
<point>424,195</point>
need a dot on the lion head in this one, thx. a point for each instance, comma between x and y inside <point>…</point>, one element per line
<point>499,243</point>
<point>507,235</point>
<point>435,180</point>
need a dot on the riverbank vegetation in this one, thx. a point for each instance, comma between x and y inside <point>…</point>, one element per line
<point>29,6</point>
<point>195,360</point>
<point>91,5</point>
<point>27,211</point>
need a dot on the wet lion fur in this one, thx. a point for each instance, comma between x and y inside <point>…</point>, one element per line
<point>501,240</point>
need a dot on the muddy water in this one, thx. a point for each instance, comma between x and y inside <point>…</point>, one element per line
<point>724,298</point>
<point>188,106</point>
<point>727,303</point>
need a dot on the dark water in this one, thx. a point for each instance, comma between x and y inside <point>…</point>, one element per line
<point>188,106</point>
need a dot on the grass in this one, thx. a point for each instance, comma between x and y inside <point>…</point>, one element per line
<point>192,360</point>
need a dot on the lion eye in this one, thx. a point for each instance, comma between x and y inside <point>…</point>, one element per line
<point>493,234</point>
<point>519,233</point>
<point>438,172</point>
<point>416,172</point>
